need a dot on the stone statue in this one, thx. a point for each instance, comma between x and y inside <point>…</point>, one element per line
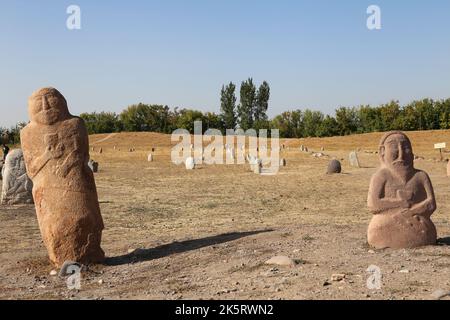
<point>56,150</point>
<point>16,187</point>
<point>401,198</point>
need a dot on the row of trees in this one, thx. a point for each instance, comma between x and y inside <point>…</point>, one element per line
<point>424,114</point>
<point>251,112</point>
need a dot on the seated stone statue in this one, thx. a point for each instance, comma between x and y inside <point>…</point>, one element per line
<point>401,198</point>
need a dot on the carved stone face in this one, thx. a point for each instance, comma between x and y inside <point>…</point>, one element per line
<point>397,152</point>
<point>47,106</point>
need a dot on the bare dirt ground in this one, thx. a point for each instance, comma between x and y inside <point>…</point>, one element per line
<point>205,234</point>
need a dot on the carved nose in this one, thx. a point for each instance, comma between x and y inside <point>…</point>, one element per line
<point>400,153</point>
<point>45,104</point>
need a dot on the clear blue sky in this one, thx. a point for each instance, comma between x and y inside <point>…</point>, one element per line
<point>316,53</point>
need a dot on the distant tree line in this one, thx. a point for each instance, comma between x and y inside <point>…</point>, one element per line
<point>251,112</point>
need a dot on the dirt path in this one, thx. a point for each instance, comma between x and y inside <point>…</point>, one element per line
<point>104,139</point>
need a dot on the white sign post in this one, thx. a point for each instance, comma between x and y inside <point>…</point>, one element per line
<point>440,146</point>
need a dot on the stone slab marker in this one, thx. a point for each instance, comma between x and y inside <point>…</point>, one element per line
<point>401,198</point>
<point>190,163</point>
<point>353,159</point>
<point>16,186</point>
<point>56,151</point>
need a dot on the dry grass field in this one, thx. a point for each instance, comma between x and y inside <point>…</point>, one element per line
<point>205,234</point>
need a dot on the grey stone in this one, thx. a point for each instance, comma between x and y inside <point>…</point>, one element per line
<point>334,167</point>
<point>16,185</point>
<point>66,268</point>
<point>93,165</point>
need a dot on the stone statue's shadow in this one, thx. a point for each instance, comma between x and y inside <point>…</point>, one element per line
<point>165,250</point>
<point>444,241</point>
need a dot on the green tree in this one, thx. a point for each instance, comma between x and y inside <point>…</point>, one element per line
<point>328,127</point>
<point>212,121</point>
<point>186,119</point>
<point>103,122</point>
<point>228,106</point>
<point>247,104</point>
<point>346,120</point>
<point>261,106</point>
<point>312,121</point>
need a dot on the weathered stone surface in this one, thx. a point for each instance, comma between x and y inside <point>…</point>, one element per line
<point>281,261</point>
<point>334,167</point>
<point>282,162</point>
<point>68,267</point>
<point>439,294</point>
<point>1,169</point>
<point>318,155</point>
<point>16,186</point>
<point>56,151</point>
<point>353,159</point>
<point>190,163</point>
<point>401,198</point>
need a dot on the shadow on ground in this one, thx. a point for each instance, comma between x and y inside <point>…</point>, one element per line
<point>141,255</point>
<point>444,241</point>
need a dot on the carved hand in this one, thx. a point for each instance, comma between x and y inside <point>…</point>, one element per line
<point>62,170</point>
<point>54,152</point>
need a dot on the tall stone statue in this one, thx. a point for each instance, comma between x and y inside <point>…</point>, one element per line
<point>16,186</point>
<point>401,198</point>
<point>56,150</point>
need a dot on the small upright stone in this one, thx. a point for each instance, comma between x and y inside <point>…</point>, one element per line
<point>190,163</point>
<point>16,186</point>
<point>334,167</point>
<point>257,166</point>
<point>282,162</point>
<point>100,151</point>
<point>353,159</point>
<point>93,165</point>
<point>150,158</point>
